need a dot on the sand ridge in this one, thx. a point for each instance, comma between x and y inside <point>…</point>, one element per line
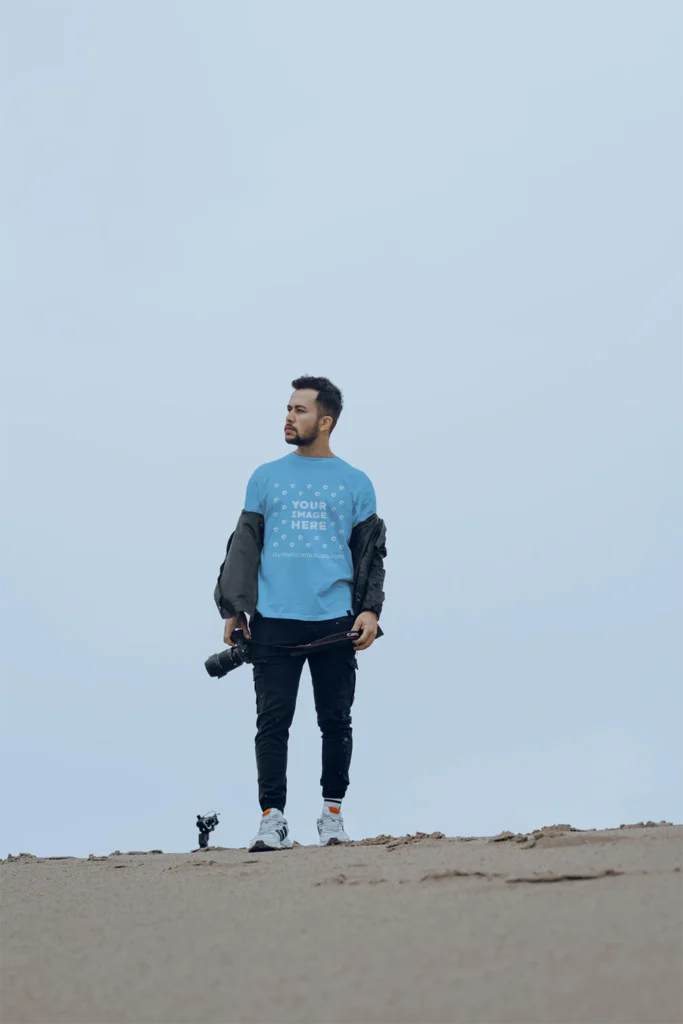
<point>556,926</point>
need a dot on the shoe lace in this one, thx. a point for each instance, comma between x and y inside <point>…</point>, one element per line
<point>268,824</point>
<point>334,823</point>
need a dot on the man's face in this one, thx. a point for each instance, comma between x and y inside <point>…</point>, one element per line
<point>302,425</point>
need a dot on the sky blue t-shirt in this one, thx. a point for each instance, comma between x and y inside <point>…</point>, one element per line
<point>310,507</point>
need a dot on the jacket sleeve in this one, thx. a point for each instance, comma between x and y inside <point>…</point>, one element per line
<point>374,593</point>
<point>368,549</point>
<point>237,586</point>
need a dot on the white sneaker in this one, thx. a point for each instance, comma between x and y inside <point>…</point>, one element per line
<point>331,828</point>
<point>273,833</point>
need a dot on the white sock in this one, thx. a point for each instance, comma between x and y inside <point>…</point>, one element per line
<point>333,806</point>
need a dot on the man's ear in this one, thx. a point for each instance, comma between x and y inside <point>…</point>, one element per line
<point>326,424</point>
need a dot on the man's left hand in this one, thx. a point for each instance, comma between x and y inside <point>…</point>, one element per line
<point>366,624</point>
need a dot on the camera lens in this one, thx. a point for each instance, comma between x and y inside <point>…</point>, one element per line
<point>218,665</point>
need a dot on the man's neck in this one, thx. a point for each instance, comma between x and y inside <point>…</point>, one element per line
<point>318,450</point>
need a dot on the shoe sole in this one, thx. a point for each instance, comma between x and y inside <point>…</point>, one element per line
<point>336,842</point>
<point>262,847</point>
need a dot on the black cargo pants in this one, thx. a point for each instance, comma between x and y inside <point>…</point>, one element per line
<point>276,681</point>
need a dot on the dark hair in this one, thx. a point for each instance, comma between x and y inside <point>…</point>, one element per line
<point>330,400</point>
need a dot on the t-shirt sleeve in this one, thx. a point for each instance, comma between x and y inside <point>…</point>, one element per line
<point>254,501</point>
<point>365,504</point>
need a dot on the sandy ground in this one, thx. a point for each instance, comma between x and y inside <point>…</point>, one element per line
<point>561,927</point>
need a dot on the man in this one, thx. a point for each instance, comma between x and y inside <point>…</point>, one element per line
<point>304,563</point>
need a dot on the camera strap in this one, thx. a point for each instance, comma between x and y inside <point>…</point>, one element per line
<point>326,641</point>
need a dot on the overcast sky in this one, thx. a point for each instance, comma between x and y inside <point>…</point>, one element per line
<point>469,216</point>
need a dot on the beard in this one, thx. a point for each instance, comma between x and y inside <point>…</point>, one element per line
<point>302,441</point>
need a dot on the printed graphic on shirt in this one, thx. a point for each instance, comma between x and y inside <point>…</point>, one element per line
<point>309,518</point>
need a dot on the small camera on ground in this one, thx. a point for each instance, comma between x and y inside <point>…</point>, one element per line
<point>206,823</point>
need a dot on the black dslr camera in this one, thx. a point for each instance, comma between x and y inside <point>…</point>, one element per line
<point>218,665</point>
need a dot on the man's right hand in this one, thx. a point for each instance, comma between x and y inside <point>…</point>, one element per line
<point>238,621</point>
